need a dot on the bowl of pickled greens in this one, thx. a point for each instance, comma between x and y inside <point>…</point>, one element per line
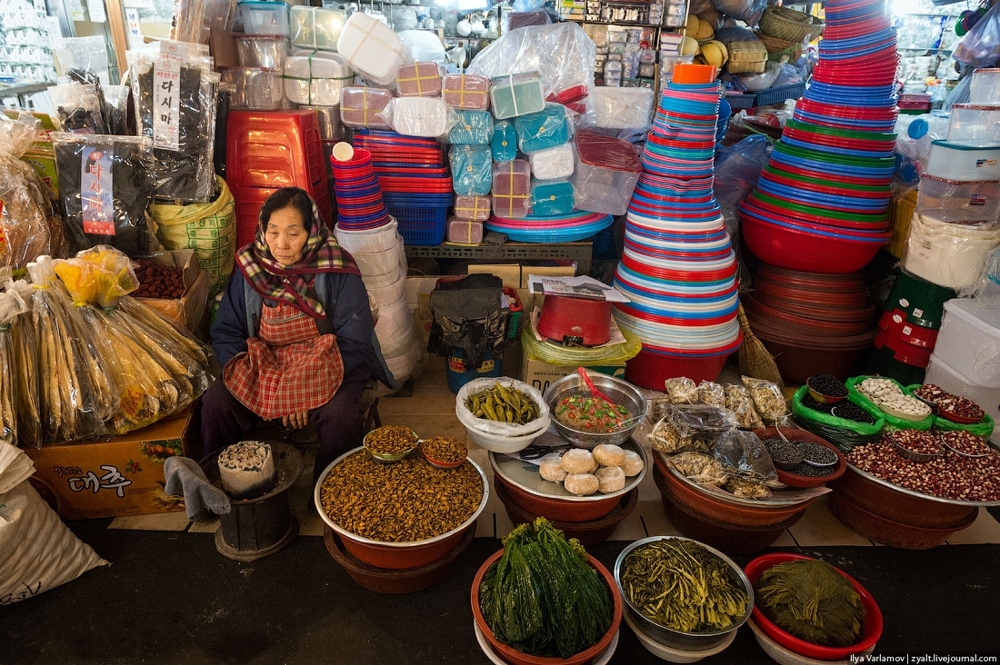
<point>681,593</point>
<point>811,608</point>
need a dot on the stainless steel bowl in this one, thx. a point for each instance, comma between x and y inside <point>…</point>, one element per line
<point>621,392</point>
<point>677,639</point>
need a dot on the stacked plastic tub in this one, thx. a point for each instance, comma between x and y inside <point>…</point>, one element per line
<point>678,266</point>
<point>821,204</point>
<point>366,230</point>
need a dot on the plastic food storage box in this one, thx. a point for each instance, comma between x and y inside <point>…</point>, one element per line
<point>947,377</point>
<point>607,170</point>
<point>504,142</point>
<point>264,18</point>
<point>420,116</point>
<point>553,163</point>
<point>471,169</point>
<point>360,106</point>
<point>984,88</point>
<point>475,208</point>
<point>316,78</point>
<point>465,91</point>
<point>371,48</point>
<point>621,108</point>
<point>515,95</point>
<point>968,121</point>
<point>263,51</point>
<point>317,27</point>
<point>512,188</point>
<point>418,79</point>
<point>546,129</point>
<point>964,160</point>
<point>472,128</point>
<point>256,89</point>
<point>552,198</point>
<point>958,200</point>
<point>464,231</point>
<point>969,341</point>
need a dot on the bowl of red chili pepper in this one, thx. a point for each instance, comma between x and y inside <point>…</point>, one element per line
<point>586,419</point>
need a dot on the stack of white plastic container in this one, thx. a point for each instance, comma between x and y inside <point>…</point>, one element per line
<point>380,256</point>
<point>955,225</point>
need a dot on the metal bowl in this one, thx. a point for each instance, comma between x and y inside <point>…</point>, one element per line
<point>621,392</point>
<point>390,458</point>
<point>677,639</point>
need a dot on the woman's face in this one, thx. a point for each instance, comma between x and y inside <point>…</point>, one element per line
<point>286,235</point>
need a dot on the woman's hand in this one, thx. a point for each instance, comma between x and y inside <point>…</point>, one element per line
<point>295,420</point>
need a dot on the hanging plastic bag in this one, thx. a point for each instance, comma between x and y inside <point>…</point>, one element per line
<point>12,306</point>
<point>980,47</point>
<point>737,170</point>
<point>20,373</point>
<point>748,11</point>
<point>26,214</point>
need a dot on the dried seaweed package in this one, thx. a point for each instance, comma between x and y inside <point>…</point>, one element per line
<point>106,186</point>
<point>745,457</point>
<point>176,94</point>
<point>25,209</point>
<point>79,107</point>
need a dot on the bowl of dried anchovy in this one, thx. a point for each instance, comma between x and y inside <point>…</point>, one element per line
<point>917,445</point>
<point>390,443</point>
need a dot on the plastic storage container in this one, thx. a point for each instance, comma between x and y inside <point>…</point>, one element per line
<point>553,197</point>
<point>464,231</point>
<point>265,18</point>
<point>316,78</point>
<point>420,116</point>
<point>553,163</point>
<point>607,170</point>
<point>330,126</point>
<point>473,207</point>
<point>622,108</point>
<point>512,188</point>
<point>359,107</point>
<point>518,94</point>
<point>957,200</point>
<point>984,88</point>
<point>418,79</point>
<point>964,160</point>
<point>472,128</point>
<point>263,51</point>
<point>947,377</point>
<point>968,121</point>
<point>317,27</point>
<point>255,88</point>
<point>546,129</point>
<point>504,141</point>
<point>946,254</point>
<point>371,48</point>
<point>471,169</point>
<point>969,341</point>
<point>464,91</point>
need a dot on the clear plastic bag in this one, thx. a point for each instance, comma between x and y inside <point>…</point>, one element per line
<point>572,357</point>
<point>428,117</point>
<point>980,47</point>
<point>79,108</point>
<point>26,214</point>
<point>496,427</point>
<point>748,11</point>
<point>768,400</point>
<point>12,307</point>
<point>744,455</point>
<point>701,468</point>
<point>738,401</point>
<point>100,275</point>
<point>20,369</point>
<point>712,394</point>
<point>681,390</point>
<point>692,427</point>
<point>472,169</point>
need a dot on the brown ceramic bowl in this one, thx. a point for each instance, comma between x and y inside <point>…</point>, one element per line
<point>889,532</point>
<point>556,509</point>
<point>794,480</point>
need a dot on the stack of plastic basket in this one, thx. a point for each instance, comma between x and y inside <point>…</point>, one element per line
<point>822,203</point>
<point>678,266</point>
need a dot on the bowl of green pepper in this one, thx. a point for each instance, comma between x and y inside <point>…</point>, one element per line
<point>586,419</point>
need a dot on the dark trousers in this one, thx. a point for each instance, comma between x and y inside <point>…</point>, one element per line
<point>339,423</point>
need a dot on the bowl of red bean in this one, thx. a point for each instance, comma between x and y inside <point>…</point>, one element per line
<point>959,409</point>
<point>917,445</point>
<point>965,444</point>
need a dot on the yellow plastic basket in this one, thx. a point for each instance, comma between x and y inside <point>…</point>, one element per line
<point>900,212</point>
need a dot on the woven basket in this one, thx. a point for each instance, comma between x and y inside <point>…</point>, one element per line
<point>775,45</point>
<point>749,57</point>
<point>790,24</point>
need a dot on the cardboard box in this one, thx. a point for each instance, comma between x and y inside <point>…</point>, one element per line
<point>510,273</point>
<point>541,375</point>
<point>187,310</point>
<point>111,476</point>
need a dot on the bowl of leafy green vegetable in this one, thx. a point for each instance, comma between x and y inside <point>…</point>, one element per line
<point>516,590</point>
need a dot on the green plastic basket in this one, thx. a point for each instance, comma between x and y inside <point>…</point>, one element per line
<point>898,423</point>
<point>843,433</point>
<point>982,429</point>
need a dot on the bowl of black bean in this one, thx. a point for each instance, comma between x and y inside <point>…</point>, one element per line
<point>826,388</point>
<point>814,451</point>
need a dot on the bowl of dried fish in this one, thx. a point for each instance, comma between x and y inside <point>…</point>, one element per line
<point>782,580</point>
<point>585,419</point>
<point>709,595</point>
<point>433,507</point>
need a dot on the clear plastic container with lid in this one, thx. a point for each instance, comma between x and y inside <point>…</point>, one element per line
<point>264,18</point>
<point>969,340</point>
<point>317,27</point>
<point>984,88</point>
<point>964,160</point>
<point>515,95</point>
<point>607,170</point>
<point>958,201</point>
<point>465,231</point>
<point>266,51</point>
<point>969,121</point>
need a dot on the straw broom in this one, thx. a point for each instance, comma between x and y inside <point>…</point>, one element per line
<point>755,360</point>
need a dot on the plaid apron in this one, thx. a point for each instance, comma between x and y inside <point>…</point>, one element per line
<point>288,368</point>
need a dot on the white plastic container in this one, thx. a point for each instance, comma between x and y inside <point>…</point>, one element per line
<point>317,27</point>
<point>264,18</point>
<point>265,51</point>
<point>964,160</point>
<point>316,78</point>
<point>968,121</point>
<point>947,377</point>
<point>420,116</point>
<point>393,327</point>
<point>622,108</point>
<point>370,240</point>
<point>371,48</point>
<point>957,200</point>
<point>984,88</point>
<point>553,163</point>
<point>946,254</point>
<point>969,340</point>
<point>390,293</point>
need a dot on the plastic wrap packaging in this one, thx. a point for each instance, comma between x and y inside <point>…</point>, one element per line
<point>980,47</point>
<point>79,108</point>
<point>462,91</point>
<point>987,287</point>
<point>428,117</point>
<point>176,94</point>
<point>701,468</point>
<point>504,141</point>
<point>472,128</point>
<point>26,214</point>
<point>418,79</point>
<point>744,455</point>
<point>106,185</point>
<point>606,172</point>
<point>361,107</point>
<point>620,108</point>
<point>116,109</point>
<point>471,169</point>
<point>265,51</point>
<point>551,197</point>
<point>768,400</point>
<point>475,208</point>
<point>253,88</point>
<point>553,163</point>
<point>511,188</point>
<point>548,128</point>
<point>681,390</point>
<point>561,53</point>
<point>424,46</point>
<point>689,428</point>
<point>196,20</point>
<point>739,401</point>
<point>958,201</point>
<point>316,27</point>
<point>14,305</point>
<point>464,231</point>
<point>372,49</point>
<point>737,170</point>
<point>712,394</point>
<point>316,78</point>
<point>573,357</point>
<point>515,95</point>
<point>494,426</point>
<point>950,255</point>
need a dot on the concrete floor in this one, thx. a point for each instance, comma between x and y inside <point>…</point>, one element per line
<point>169,597</point>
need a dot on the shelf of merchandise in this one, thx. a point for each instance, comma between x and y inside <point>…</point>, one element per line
<point>509,252</point>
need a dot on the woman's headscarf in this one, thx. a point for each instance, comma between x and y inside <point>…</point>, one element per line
<point>321,254</point>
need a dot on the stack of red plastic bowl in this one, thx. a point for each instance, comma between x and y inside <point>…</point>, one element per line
<point>358,193</point>
<point>678,267</point>
<point>822,204</point>
<point>813,323</point>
